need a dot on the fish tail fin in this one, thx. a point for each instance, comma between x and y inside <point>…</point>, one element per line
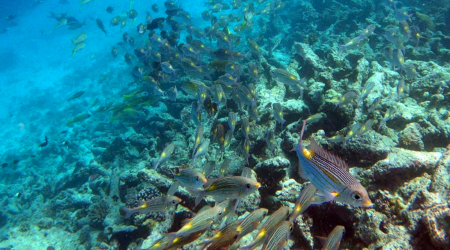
<point>73,53</point>
<point>170,238</point>
<point>303,130</point>
<point>197,193</point>
<point>128,211</point>
<point>155,164</point>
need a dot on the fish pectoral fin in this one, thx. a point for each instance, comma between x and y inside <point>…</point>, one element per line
<point>335,193</point>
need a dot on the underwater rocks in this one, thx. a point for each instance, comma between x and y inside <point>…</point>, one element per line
<point>411,138</point>
<point>399,166</point>
<point>277,163</point>
<point>116,148</point>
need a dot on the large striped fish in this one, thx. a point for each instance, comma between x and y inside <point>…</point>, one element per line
<point>329,174</point>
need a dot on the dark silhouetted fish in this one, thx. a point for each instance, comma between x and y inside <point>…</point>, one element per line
<point>101,26</point>
<point>154,24</point>
<point>110,9</point>
<point>44,143</point>
<point>76,95</point>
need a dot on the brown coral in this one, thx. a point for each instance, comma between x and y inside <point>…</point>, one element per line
<point>435,223</point>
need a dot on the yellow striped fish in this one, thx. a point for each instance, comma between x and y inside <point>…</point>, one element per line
<point>329,174</point>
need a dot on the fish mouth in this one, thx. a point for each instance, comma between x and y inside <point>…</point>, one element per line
<point>204,180</point>
<point>368,204</point>
<point>258,185</point>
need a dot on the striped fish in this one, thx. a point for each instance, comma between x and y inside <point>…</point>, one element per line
<point>198,138</point>
<point>232,227</point>
<point>268,227</point>
<point>303,201</point>
<point>251,222</point>
<point>230,187</point>
<point>225,241</point>
<point>329,174</point>
<point>167,152</point>
<point>333,240</point>
<point>158,204</point>
<point>202,221</point>
<point>279,237</point>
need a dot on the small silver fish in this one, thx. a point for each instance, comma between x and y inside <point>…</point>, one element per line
<point>303,201</point>
<point>402,15</point>
<point>366,127</point>
<point>253,110</point>
<point>315,118</point>
<point>387,116</point>
<point>346,99</point>
<point>190,178</point>
<point>365,92</point>
<point>279,236</point>
<point>277,112</point>
<point>227,141</point>
<point>400,88</point>
<point>202,221</point>
<point>245,127</point>
<point>196,116</point>
<point>270,139</point>
<point>287,78</point>
<point>172,93</point>
<point>159,204</point>
<point>201,95</point>
<point>197,139</point>
<point>334,238</point>
<point>251,222</point>
<point>246,150</point>
<point>167,152</point>
<point>167,67</point>
<point>267,228</point>
<point>253,71</point>
<point>375,104</point>
<point>355,128</point>
<point>224,167</point>
<point>231,187</point>
<point>232,121</point>
<point>368,31</point>
<point>275,45</point>
<point>336,139</point>
<point>209,168</point>
<point>354,43</point>
<point>201,150</point>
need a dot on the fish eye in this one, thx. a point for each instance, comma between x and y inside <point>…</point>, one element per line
<point>173,202</point>
<point>248,186</point>
<point>197,179</point>
<point>356,196</point>
<point>291,228</point>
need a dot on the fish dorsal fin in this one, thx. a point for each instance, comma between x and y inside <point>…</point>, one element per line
<point>327,155</point>
<point>322,239</point>
<point>186,221</point>
<point>246,172</point>
<point>203,209</point>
